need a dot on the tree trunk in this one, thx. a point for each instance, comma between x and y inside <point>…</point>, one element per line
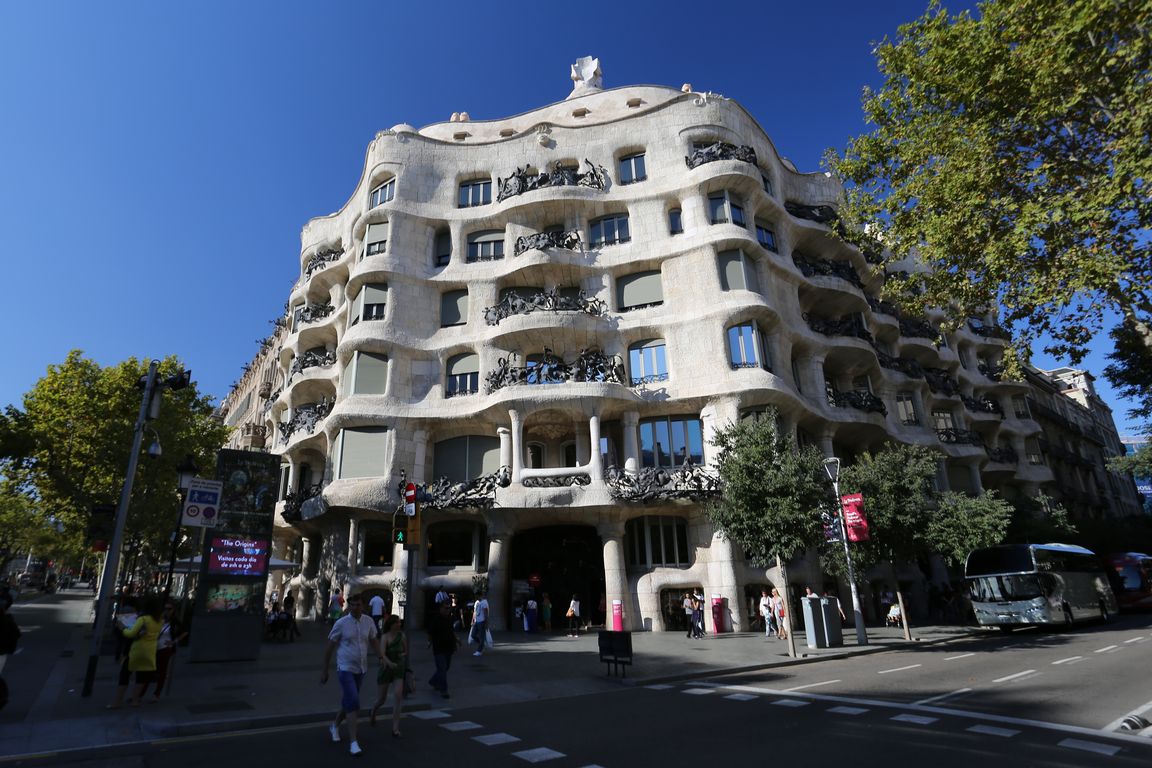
<point>787,625</point>
<point>903,612</point>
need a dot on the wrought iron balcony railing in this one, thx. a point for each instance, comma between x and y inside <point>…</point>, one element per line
<point>993,372</point>
<point>882,307</point>
<point>558,481</point>
<point>304,419</point>
<point>590,365</point>
<point>294,502</point>
<point>721,150</point>
<point>649,379</point>
<point>919,328</point>
<point>477,493</point>
<point>311,359</point>
<point>543,301</point>
<point>688,481</point>
<point>540,241</point>
<point>983,405</point>
<point>1005,454</point>
<point>989,331</point>
<point>846,326</point>
<point>904,365</point>
<point>859,399</point>
<point>941,382</point>
<point>525,180</point>
<point>956,436</point>
<point>821,214</point>
<point>824,267</point>
<point>311,313</point>
<point>320,261</point>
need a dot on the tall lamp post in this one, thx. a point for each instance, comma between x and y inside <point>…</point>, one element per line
<point>186,470</point>
<point>832,467</point>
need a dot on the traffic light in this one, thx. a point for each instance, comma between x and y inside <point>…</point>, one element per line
<point>101,526</point>
<point>399,535</point>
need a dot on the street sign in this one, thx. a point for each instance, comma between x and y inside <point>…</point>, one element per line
<point>410,500</point>
<point>202,504</point>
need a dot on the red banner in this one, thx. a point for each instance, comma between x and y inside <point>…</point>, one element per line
<point>857,523</point>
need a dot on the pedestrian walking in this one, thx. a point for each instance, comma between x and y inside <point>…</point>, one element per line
<point>393,666</point>
<point>573,615</point>
<point>778,612</point>
<point>335,606</point>
<point>444,643</point>
<point>480,624</point>
<point>687,606</point>
<point>530,615</point>
<point>766,612</point>
<point>698,615</point>
<point>350,639</point>
<point>171,635</point>
<point>376,609</point>
<point>141,657</point>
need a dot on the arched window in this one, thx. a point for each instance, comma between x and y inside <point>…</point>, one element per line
<point>486,246</point>
<point>383,193</point>
<point>738,272</point>
<point>639,290</point>
<point>746,347</point>
<point>647,362</point>
<point>462,458</point>
<point>463,376</point>
<point>376,239</point>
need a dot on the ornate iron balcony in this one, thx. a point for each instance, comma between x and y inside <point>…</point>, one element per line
<point>821,214</point>
<point>1003,455</point>
<point>312,359</point>
<point>689,481</point>
<point>304,418</point>
<point>859,399</point>
<point>589,365</point>
<point>882,307</point>
<point>721,150</point>
<point>560,481</point>
<point>254,430</point>
<point>543,301</point>
<point>320,261</point>
<point>311,313</point>
<point>904,365</point>
<point>477,493</point>
<point>271,399</point>
<point>826,268</point>
<point>954,436</point>
<point>293,502</point>
<point>989,331</point>
<point>522,180</point>
<point>650,379</point>
<point>848,326</point>
<point>920,328</point>
<point>994,372</point>
<point>569,240</point>
<point>982,405</point>
<point>265,389</point>
<point>941,382</point>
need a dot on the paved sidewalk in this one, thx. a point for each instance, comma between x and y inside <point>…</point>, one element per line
<point>283,686</point>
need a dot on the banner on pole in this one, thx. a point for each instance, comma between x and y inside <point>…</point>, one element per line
<point>856,522</point>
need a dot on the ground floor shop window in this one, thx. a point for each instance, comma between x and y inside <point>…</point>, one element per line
<point>672,608</point>
<point>377,550</point>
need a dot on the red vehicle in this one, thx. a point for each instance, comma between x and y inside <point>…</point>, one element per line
<point>1133,583</point>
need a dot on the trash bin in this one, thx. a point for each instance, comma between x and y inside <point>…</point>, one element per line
<point>814,622</point>
<point>825,612</point>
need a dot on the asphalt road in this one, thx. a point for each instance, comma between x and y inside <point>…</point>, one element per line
<point>47,628</point>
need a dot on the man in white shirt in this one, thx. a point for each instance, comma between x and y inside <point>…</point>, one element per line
<point>441,596</point>
<point>376,608</point>
<point>351,637</point>
<point>480,623</point>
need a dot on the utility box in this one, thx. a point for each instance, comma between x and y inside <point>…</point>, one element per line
<point>822,622</point>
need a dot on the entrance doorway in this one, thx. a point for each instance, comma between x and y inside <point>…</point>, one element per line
<point>560,560</point>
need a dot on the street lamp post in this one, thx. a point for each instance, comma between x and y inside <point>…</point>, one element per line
<point>186,470</point>
<point>832,467</point>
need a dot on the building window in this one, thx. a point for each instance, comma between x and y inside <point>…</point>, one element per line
<point>376,239</point>
<point>765,236</point>
<point>671,440</point>
<point>442,248</point>
<point>746,347</point>
<point>796,375</point>
<point>473,193</point>
<point>463,375</point>
<point>610,230</point>
<point>639,290</point>
<point>378,547</point>
<point>362,452</point>
<point>486,246</point>
<point>534,455</point>
<point>767,182</point>
<point>1020,407</point>
<point>1032,451</point>
<point>632,169</point>
<point>738,272</point>
<point>723,208</point>
<point>675,222</point>
<point>455,543</point>
<point>453,308</point>
<point>656,540</point>
<point>370,303</point>
<point>368,374</point>
<point>943,419</point>
<point>462,458</point>
<point>647,362</point>
<point>906,409</point>
<point>383,193</point>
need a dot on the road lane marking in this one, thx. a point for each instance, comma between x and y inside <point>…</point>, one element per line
<point>1140,639</point>
<point>492,739</point>
<point>1006,678</point>
<point>1068,660</point>
<point>942,696</point>
<point>698,691</point>
<point>1106,648</point>
<point>991,730</point>
<point>961,656</point>
<point>741,697</point>
<point>429,714</point>
<point>538,755</point>
<point>918,719</point>
<point>791,703</point>
<point>847,710</point>
<point>658,687</point>
<point>461,725</point>
<point>1090,746</point>
<point>898,669</point>
<point>812,685</point>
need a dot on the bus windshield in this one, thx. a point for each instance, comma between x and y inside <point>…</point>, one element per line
<point>1009,559</point>
<point>999,589</point>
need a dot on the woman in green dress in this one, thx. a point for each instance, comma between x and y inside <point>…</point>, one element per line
<point>391,675</point>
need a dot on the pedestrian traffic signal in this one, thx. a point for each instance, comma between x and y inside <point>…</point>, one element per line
<point>399,535</point>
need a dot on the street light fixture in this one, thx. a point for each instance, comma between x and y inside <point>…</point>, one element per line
<point>832,467</point>
<point>186,472</point>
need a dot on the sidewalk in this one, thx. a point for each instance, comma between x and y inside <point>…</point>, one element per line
<point>283,686</point>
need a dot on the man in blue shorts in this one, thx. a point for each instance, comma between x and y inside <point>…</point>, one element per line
<point>351,637</point>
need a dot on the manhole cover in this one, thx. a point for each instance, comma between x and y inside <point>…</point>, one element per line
<point>219,706</point>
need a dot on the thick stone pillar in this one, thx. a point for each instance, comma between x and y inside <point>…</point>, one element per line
<point>615,574</point>
<point>974,475</point>
<point>353,545</point>
<point>721,580</point>
<point>580,427</point>
<point>630,424</point>
<point>309,554</point>
<point>717,415</point>
<point>595,458</point>
<point>499,541</point>
<point>505,436</point>
<point>812,371</point>
<point>517,447</point>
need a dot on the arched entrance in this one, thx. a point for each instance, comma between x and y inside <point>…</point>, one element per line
<point>560,560</point>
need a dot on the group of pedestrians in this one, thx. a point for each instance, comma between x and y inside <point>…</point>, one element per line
<point>694,611</point>
<point>153,637</point>
<point>772,610</point>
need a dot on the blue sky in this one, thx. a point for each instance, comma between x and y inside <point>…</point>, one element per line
<point>157,160</point>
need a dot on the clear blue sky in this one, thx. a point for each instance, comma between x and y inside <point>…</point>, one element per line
<point>157,160</point>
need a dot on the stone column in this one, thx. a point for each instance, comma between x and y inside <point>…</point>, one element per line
<point>580,427</point>
<point>813,373</point>
<point>595,458</point>
<point>714,416</point>
<point>517,446</point>
<point>505,436</point>
<point>630,423</point>
<point>826,446</point>
<point>308,555</point>
<point>499,539</point>
<point>974,475</point>
<point>721,575</point>
<point>615,573</point>
<point>353,545</point>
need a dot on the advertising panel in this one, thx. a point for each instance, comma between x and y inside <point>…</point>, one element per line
<point>857,523</point>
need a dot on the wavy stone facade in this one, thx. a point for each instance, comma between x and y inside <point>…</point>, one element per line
<point>567,303</point>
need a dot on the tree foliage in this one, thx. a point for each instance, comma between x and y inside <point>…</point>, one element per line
<point>1010,153</point>
<point>1040,519</point>
<point>773,491</point>
<point>962,523</point>
<point>67,448</point>
<point>1138,464</point>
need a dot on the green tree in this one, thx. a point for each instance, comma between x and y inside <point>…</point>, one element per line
<point>21,528</point>
<point>67,448</point>
<point>961,523</point>
<point>1010,153</point>
<point>773,492</point>
<point>1040,519</point>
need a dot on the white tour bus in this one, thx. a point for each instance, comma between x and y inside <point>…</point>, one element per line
<point>1028,584</point>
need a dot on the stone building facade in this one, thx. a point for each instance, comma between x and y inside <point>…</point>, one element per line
<point>542,320</point>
